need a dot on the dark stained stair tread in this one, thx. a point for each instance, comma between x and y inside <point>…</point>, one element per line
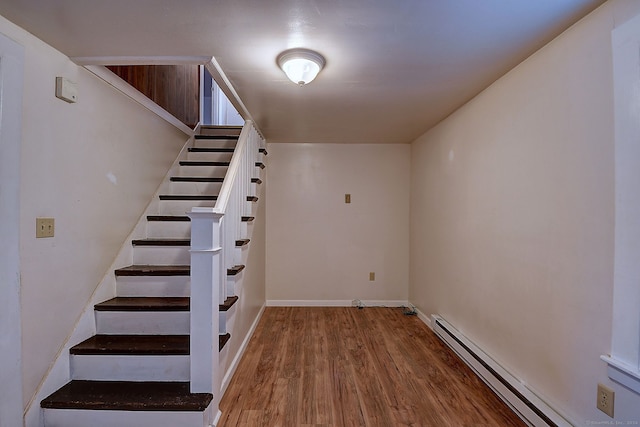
<point>196,179</point>
<point>260,165</point>
<point>234,270</point>
<point>223,340</point>
<point>133,345</point>
<point>154,270</point>
<point>211,150</point>
<point>187,197</point>
<point>144,304</point>
<point>228,303</point>
<point>127,396</point>
<point>242,242</point>
<point>168,218</point>
<point>202,163</point>
<point>252,198</point>
<point>216,136</point>
<point>248,218</point>
<point>256,180</point>
<point>161,242</point>
<point>263,151</point>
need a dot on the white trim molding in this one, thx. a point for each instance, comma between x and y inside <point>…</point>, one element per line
<point>337,303</point>
<point>623,373</point>
<point>140,60</point>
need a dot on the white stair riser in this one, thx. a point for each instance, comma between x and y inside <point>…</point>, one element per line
<point>152,286</point>
<point>215,143</point>
<point>143,323</point>
<point>210,157</point>
<point>103,418</point>
<point>175,229</point>
<point>194,187</point>
<point>172,207</point>
<point>217,171</point>
<point>130,368</point>
<point>161,255</point>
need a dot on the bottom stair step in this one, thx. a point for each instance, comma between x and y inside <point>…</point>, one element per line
<point>127,396</point>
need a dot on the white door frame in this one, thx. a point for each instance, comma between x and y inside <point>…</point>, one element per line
<point>11,80</point>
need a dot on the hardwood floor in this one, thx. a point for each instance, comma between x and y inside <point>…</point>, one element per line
<point>328,366</point>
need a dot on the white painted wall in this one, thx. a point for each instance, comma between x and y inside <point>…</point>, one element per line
<point>321,249</point>
<point>512,218</point>
<point>93,166</point>
<point>11,70</point>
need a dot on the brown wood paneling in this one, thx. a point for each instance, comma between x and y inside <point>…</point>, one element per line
<point>176,88</point>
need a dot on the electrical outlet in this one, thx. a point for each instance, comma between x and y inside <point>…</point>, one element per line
<point>372,276</point>
<point>606,398</point>
<point>45,227</point>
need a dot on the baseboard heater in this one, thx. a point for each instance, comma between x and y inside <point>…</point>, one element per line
<point>530,408</point>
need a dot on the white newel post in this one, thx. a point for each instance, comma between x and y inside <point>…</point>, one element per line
<point>207,267</point>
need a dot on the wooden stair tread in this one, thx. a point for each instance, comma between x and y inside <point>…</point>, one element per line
<point>234,270</point>
<point>248,218</point>
<point>166,270</point>
<point>211,149</point>
<point>263,151</point>
<point>144,304</point>
<point>222,341</point>
<point>161,242</point>
<point>196,179</point>
<point>252,198</point>
<point>133,345</point>
<point>154,270</point>
<point>260,165</point>
<point>188,197</point>
<point>256,180</point>
<point>168,218</point>
<point>228,303</point>
<point>127,396</point>
<point>202,163</point>
<point>216,136</point>
<point>242,242</point>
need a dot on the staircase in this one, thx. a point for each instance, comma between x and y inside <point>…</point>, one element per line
<point>138,369</point>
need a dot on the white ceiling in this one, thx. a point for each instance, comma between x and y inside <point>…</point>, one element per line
<point>394,68</point>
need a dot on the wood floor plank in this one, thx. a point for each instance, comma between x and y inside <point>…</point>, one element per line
<point>337,366</point>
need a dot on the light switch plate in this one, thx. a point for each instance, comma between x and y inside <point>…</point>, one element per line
<point>45,227</point>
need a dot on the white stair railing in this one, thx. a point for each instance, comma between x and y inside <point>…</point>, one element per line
<point>214,231</point>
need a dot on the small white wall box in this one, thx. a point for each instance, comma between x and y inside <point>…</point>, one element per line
<point>66,90</point>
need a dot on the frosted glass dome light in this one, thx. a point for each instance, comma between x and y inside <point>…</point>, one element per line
<point>301,65</point>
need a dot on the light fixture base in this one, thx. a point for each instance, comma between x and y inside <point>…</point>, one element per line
<point>301,65</point>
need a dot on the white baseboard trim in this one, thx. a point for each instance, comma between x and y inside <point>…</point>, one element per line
<point>525,402</point>
<point>243,347</point>
<point>425,319</point>
<point>336,303</point>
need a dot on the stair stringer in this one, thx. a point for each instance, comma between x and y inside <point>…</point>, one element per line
<point>60,372</point>
<point>242,319</point>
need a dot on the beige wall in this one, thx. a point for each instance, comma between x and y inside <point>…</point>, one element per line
<point>321,249</point>
<point>512,218</point>
<point>93,166</point>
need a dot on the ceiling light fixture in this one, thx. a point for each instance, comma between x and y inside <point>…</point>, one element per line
<point>301,65</point>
